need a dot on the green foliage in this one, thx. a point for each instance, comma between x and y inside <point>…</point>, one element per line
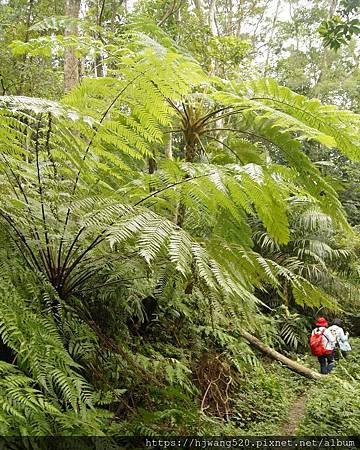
<point>292,328</point>
<point>228,52</point>
<point>19,74</point>
<point>339,30</point>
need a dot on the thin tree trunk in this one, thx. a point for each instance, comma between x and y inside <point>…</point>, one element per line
<point>229,18</point>
<point>171,11</point>
<point>199,4</point>
<point>99,68</point>
<point>28,21</point>
<point>190,153</point>
<point>239,18</point>
<point>178,23</point>
<point>272,35</point>
<point>292,365</point>
<point>113,16</point>
<point>71,62</point>
<point>211,20</point>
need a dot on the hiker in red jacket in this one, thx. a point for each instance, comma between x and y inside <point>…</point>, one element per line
<point>322,344</point>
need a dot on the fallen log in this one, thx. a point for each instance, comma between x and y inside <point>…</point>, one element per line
<point>293,365</point>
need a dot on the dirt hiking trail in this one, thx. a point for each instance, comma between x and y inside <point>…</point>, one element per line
<point>296,413</point>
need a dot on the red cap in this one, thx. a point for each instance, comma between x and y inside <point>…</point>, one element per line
<point>321,322</point>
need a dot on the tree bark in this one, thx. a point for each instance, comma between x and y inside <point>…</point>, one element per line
<point>71,62</point>
<point>292,365</point>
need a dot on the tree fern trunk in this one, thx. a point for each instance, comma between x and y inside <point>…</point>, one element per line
<point>289,363</point>
<point>151,165</point>
<point>189,157</point>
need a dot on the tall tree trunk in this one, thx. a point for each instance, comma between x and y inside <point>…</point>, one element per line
<point>20,88</point>
<point>293,365</point>
<point>113,16</point>
<point>99,68</point>
<point>71,62</point>
<point>212,18</point>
